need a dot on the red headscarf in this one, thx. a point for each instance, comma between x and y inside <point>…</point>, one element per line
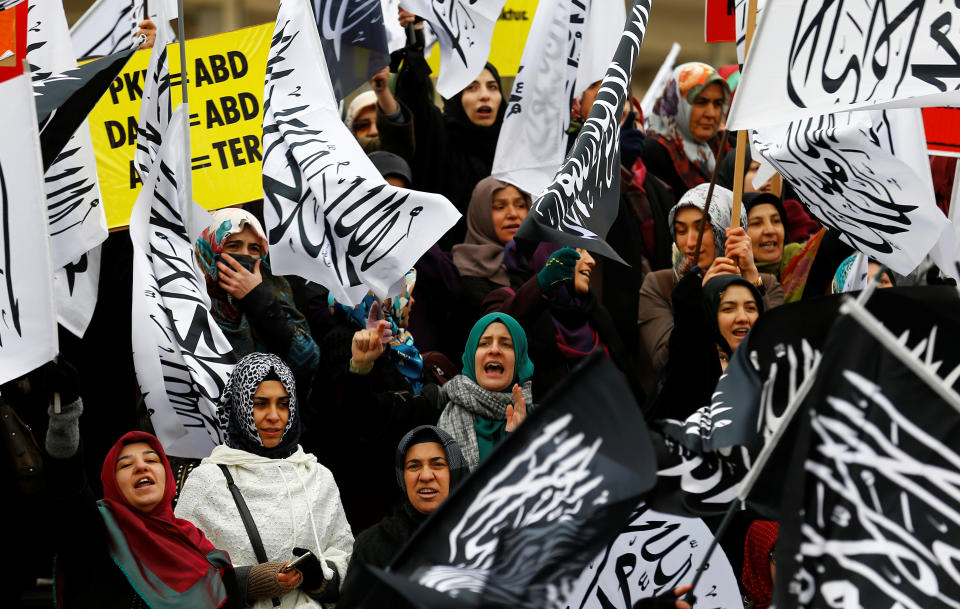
<point>761,537</point>
<point>160,545</point>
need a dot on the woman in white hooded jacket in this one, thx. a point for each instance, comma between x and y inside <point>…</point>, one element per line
<point>292,499</point>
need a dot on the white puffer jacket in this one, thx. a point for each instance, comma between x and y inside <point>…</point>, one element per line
<point>294,502</point>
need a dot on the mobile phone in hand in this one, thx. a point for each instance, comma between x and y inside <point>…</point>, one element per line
<point>296,561</point>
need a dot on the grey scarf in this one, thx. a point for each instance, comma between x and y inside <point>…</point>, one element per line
<point>465,398</point>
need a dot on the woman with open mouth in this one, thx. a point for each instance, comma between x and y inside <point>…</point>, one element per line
<point>453,149</point>
<point>724,250</point>
<point>428,465</point>
<point>490,396</point>
<point>128,549</point>
<point>292,500</point>
<point>712,319</point>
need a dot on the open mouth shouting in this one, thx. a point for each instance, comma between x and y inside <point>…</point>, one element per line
<point>494,370</point>
<point>144,482</point>
<point>485,112</point>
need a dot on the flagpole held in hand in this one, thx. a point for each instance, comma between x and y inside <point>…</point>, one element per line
<point>751,477</point>
<point>742,142</point>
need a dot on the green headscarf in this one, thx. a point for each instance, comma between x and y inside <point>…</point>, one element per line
<point>522,367</point>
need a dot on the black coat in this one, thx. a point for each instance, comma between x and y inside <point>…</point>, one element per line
<point>377,547</point>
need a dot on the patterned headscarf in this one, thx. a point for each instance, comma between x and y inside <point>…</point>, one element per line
<point>669,123</point>
<point>403,354</point>
<point>721,210</point>
<point>236,406</point>
<point>851,275</point>
<point>226,222</point>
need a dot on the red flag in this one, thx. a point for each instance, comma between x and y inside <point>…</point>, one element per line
<point>720,21</point>
<point>942,128</point>
<point>13,41</point>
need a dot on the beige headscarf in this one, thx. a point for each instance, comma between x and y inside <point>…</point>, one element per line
<point>481,253</point>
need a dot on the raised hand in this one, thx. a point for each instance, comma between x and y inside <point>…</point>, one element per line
<point>148,29</point>
<point>373,319</point>
<point>380,85</point>
<point>739,248</point>
<point>516,412</point>
<point>235,279</point>
<point>406,18</point>
<point>558,269</point>
<point>367,346</point>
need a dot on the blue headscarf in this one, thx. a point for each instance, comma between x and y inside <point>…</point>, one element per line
<point>523,366</point>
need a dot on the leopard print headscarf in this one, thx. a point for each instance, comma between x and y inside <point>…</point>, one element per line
<point>236,406</point>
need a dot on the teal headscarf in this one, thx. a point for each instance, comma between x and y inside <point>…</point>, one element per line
<point>522,367</point>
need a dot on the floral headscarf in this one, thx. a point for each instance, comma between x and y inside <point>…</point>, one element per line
<point>669,123</point>
<point>226,222</point>
<point>403,353</point>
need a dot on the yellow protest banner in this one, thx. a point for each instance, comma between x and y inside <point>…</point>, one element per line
<point>225,74</point>
<point>509,36</point>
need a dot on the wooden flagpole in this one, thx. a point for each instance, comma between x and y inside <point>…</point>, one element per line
<point>188,159</point>
<point>742,140</point>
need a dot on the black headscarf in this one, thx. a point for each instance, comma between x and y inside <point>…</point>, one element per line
<point>459,470</point>
<point>462,130</point>
<point>236,405</point>
<point>713,293</point>
<point>752,199</point>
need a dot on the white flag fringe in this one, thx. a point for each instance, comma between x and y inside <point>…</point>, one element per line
<point>533,139</point>
<point>330,216</point>
<point>464,29</point>
<point>28,332</point>
<point>181,357</point>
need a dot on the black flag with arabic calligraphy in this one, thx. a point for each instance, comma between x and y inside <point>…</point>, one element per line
<point>872,518</point>
<point>519,531</point>
<point>703,459</point>
<point>580,204</point>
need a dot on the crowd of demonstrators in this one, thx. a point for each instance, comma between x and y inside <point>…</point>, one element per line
<point>331,407</point>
